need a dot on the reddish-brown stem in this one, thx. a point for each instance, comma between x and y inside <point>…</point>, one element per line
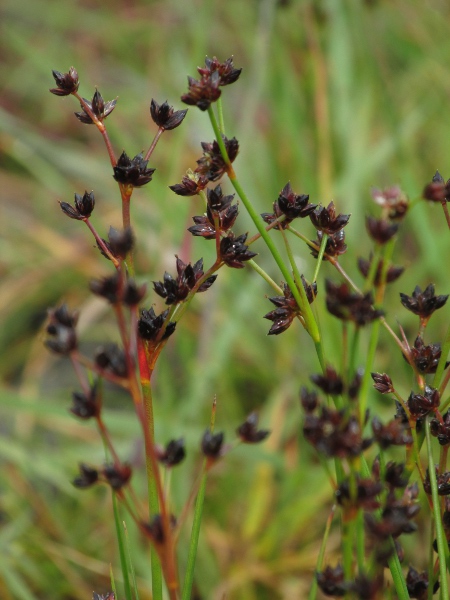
<point>89,364</point>
<point>100,126</point>
<point>268,228</point>
<point>444,383</point>
<point>446,213</point>
<point>102,244</point>
<point>159,133</point>
<point>79,373</point>
<point>106,438</point>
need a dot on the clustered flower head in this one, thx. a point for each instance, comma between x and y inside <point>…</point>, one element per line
<point>393,202</point>
<point>86,406</point>
<point>350,306</point>
<point>67,83</point>
<point>421,404</point>
<point>394,433</point>
<point>115,475</point>
<point>173,454</point>
<point>177,290</point>
<point>326,219</point>
<point>440,428</point>
<point>381,230</point>
<point>191,184</point>
<point>220,215</point>
<point>61,330</point>
<point>438,190</point>
<point>83,206</point>
<point>164,116</point>
<point>214,75</point>
<point>211,164</point>
<point>287,307</point>
<point>249,432</point>
<point>335,433</point>
<point>132,171</point>
<point>335,244</point>
<point>392,272</point>
<point>116,291</point>
<point>98,107</point>
<point>443,483</point>
<point>426,358</point>
<point>234,252</point>
<point>111,358</point>
<point>119,244</point>
<point>291,205</point>
<point>423,303</point>
<point>152,327</point>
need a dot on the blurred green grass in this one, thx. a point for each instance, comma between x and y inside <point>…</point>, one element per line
<point>336,97</point>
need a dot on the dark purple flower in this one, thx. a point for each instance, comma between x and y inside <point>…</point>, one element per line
<point>165,117</point>
<point>61,329</point>
<point>212,164</point>
<point>98,106</point>
<point>84,205</point>
<point>249,432</point>
<point>233,250</point>
<point>67,83</point>
<point>423,303</point>
<point>326,220</point>
<point>132,171</point>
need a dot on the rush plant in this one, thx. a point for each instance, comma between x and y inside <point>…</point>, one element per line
<point>376,490</point>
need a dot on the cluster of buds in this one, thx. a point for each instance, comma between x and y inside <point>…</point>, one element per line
<point>97,107</point>
<point>438,190</point>
<point>214,75</point>
<point>289,205</point>
<point>115,290</point>
<point>177,290</point>
<point>287,308</point>
<point>212,164</point>
<point>115,475</point>
<point>220,215</point>
<point>393,202</point>
<point>382,275</point>
<point>350,306</point>
<point>423,303</point>
<point>61,330</point>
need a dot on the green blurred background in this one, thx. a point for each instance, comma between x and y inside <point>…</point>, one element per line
<point>335,96</point>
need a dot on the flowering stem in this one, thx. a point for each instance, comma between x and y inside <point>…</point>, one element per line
<point>159,133</point>
<point>100,126</point>
<point>122,553</point>
<point>265,276</point>
<point>313,591</point>
<point>440,536</point>
<point>189,578</point>
<point>298,293</point>
<point>446,213</point>
<point>102,244</point>
<point>220,113</point>
<point>441,366</point>
<point>323,245</point>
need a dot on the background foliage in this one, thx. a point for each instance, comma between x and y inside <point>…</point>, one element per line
<point>335,96</point>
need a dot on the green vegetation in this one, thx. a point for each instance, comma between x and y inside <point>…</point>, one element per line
<point>335,97</point>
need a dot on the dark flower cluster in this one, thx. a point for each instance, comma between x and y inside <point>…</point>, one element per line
<point>173,454</point>
<point>111,358</point>
<point>177,290</point>
<point>396,516</point>
<point>392,272</point>
<point>234,252</point>
<point>335,245</point>
<point>335,433</point>
<point>326,219</point>
<point>212,444</point>
<point>117,291</point>
<point>249,432</point>
<point>83,206</point>
<point>132,171</point>
<point>119,244</point>
<point>191,184</point>
<point>220,215</point>
<point>152,327</point>
<point>423,303</point>
<point>438,190</point>
<point>206,90</point>
<point>443,483</point>
<point>329,382</point>
<point>287,307</point>
<point>420,405</point>
<point>417,584</point>
<point>86,406</point>
<point>426,358</point>
<point>381,230</point>
<point>155,529</point>
<point>99,108</point>
<point>364,496</point>
<point>212,164</point>
<point>61,330</point>
<point>165,117</point>
<point>383,383</point>
<point>115,475</point>
<point>350,306</point>
<point>67,83</point>
<point>394,433</point>
<point>440,428</point>
<point>393,202</point>
<point>291,205</point>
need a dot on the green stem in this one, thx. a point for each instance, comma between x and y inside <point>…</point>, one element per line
<point>440,536</point>
<point>441,366</point>
<point>364,390</point>
<point>220,113</point>
<point>265,276</point>
<point>298,293</point>
<point>313,591</point>
<point>189,578</point>
<point>122,550</point>
<point>323,245</point>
